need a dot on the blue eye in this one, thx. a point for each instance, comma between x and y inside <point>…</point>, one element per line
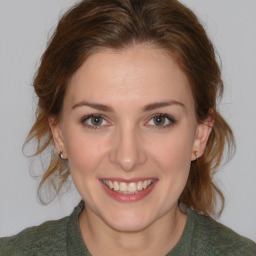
<point>94,121</point>
<point>161,120</point>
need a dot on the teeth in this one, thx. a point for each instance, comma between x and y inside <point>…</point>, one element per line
<point>132,187</point>
<point>145,184</point>
<point>116,186</point>
<point>139,185</point>
<point>128,188</point>
<point>123,187</point>
<point>110,184</point>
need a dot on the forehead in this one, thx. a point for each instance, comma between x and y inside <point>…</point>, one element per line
<point>140,73</point>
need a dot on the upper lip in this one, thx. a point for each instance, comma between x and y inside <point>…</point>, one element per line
<point>130,180</point>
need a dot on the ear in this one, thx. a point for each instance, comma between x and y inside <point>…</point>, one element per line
<point>57,135</point>
<point>202,135</point>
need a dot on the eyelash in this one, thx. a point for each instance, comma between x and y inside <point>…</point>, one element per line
<point>91,126</point>
<point>86,118</point>
<point>166,116</point>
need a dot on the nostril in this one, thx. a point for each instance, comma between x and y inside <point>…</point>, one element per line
<point>127,159</point>
<point>126,151</point>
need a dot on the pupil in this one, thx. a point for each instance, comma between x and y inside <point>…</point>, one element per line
<point>96,120</point>
<point>159,120</point>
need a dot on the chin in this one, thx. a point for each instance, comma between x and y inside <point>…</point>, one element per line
<point>129,222</point>
<point>128,226</point>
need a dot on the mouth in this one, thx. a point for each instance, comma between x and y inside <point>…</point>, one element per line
<point>134,187</point>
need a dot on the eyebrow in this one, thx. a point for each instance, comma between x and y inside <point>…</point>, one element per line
<point>149,107</point>
<point>97,106</point>
<point>157,105</point>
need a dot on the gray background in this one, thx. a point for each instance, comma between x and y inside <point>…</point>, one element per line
<point>25,27</point>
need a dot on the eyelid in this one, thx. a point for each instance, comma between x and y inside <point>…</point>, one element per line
<point>87,117</point>
<point>167,116</point>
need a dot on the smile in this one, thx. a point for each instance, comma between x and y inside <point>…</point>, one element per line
<point>128,188</point>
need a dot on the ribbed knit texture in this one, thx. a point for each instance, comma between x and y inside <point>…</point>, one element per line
<point>202,237</point>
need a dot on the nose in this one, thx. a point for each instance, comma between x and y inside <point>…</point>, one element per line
<point>127,151</point>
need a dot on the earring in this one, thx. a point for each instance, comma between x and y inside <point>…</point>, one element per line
<point>61,155</point>
<point>196,156</point>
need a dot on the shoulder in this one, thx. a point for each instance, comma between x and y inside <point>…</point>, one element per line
<point>217,239</point>
<point>49,237</point>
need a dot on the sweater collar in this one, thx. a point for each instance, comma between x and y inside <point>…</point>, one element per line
<point>76,245</point>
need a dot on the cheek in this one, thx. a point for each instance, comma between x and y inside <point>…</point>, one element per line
<point>173,155</point>
<point>173,151</point>
<point>84,153</point>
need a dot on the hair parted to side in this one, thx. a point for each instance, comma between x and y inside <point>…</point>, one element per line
<point>92,25</point>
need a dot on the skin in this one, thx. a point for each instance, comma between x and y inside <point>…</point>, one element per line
<point>128,144</point>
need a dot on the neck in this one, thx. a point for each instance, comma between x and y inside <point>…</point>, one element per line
<point>159,238</point>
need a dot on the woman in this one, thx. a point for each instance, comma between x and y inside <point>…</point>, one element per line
<point>127,95</point>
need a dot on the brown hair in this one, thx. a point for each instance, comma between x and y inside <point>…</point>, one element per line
<point>116,24</point>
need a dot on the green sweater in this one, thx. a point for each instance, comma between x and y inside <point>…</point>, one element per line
<point>202,237</point>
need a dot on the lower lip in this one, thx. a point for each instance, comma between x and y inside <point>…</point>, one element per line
<point>128,197</point>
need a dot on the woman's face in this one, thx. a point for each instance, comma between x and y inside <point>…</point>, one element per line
<point>129,131</point>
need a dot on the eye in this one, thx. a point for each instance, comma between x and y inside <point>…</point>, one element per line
<point>94,121</point>
<point>161,120</point>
